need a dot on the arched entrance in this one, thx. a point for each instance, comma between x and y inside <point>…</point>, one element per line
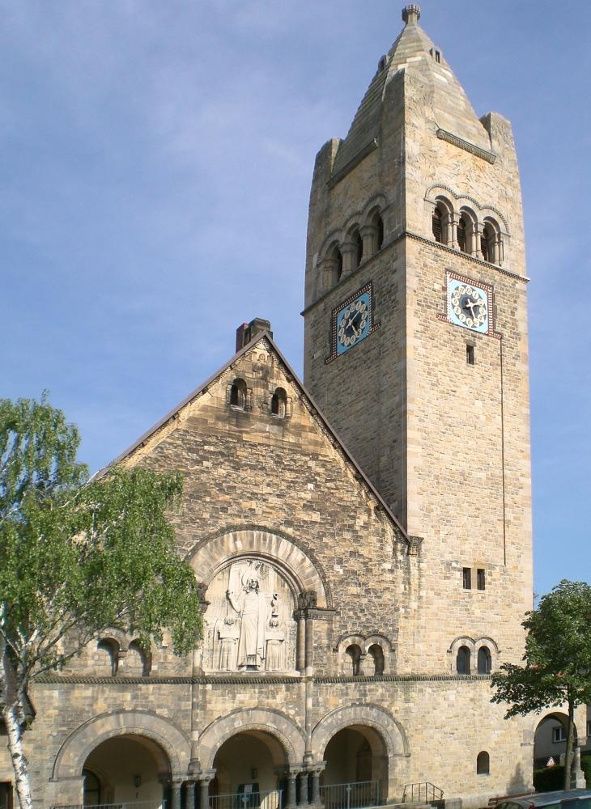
<point>549,753</point>
<point>356,771</point>
<point>126,768</point>
<point>250,772</point>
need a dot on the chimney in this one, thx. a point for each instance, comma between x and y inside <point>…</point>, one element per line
<point>247,331</point>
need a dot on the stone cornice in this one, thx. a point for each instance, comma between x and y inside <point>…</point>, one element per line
<point>253,679</point>
<point>455,140</point>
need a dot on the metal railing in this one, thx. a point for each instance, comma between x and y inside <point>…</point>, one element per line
<point>425,792</point>
<point>247,800</point>
<point>354,795</point>
<point>158,803</point>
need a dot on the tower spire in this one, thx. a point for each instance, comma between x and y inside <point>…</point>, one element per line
<point>411,14</point>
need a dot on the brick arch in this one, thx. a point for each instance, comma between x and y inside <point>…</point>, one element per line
<point>209,556</point>
<point>80,744</point>
<point>266,720</point>
<point>361,715</point>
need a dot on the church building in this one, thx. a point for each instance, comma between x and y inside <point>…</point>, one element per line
<point>362,538</point>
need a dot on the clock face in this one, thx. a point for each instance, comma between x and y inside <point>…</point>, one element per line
<point>467,305</point>
<point>353,322</point>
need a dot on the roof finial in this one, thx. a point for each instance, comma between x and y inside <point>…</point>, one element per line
<point>411,14</point>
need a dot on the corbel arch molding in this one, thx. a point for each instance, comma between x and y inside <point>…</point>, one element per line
<point>462,200</point>
<point>266,720</point>
<point>335,237</point>
<point>375,204</point>
<point>79,745</point>
<point>362,715</point>
<point>365,641</point>
<point>300,566</point>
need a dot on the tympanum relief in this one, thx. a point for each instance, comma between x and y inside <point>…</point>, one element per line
<point>249,623</point>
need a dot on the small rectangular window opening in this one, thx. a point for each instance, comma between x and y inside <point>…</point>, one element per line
<point>467,578</point>
<point>470,354</point>
<point>438,56</point>
<point>481,579</point>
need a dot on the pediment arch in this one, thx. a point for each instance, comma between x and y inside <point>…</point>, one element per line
<point>299,566</point>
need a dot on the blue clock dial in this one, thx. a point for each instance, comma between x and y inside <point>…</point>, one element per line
<point>353,322</point>
<point>468,306</point>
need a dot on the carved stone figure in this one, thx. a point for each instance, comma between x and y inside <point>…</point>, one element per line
<point>249,619</point>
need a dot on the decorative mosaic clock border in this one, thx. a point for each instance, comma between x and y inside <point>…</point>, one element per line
<point>367,288</point>
<point>490,297</point>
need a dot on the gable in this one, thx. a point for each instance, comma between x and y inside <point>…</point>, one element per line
<point>210,432</point>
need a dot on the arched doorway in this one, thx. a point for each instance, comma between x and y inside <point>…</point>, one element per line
<point>126,768</point>
<point>356,771</point>
<point>549,753</point>
<point>250,772</point>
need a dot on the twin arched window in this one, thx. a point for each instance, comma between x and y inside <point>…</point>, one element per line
<point>239,397</point>
<point>464,660</point>
<point>356,656</point>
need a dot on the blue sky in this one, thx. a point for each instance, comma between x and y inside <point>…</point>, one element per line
<point>155,167</point>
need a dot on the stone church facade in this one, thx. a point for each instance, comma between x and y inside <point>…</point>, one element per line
<point>363,542</point>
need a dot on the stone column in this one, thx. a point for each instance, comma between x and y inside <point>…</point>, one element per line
<point>348,251</point>
<point>453,232</point>
<point>476,237</point>
<point>309,646</point>
<point>328,273</point>
<point>175,802</point>
<point>316,772</point>
<point>291,787</point>
<point>301,644</point>
<point>304,797</point>
<point>369,235</point>
<point>361,665</point>
<point>191,795</point>
<point>204,779</point>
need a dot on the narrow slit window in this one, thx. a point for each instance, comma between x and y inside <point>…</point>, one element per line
<point>481,579</point>
<point>467,578</point>
<point>470,354</point>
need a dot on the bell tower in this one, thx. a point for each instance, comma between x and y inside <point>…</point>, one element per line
<point>416,329</point>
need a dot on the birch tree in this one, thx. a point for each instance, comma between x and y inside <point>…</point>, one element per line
<point>78,557</point>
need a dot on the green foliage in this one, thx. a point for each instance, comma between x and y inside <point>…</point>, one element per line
<point>81,556</point>
<point>557,654</point>
<point>549,778</point>
<point>586,767</point>
<point>557,660</point>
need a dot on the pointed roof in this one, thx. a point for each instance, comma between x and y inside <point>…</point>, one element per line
<point>313,407</point>
<point>413,51</point>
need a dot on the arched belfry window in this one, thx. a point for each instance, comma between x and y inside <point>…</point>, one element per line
<point>377,655</point>
<point>437,224</point>
<point>354,653</point>
<point>238,394</point>
<point>463,660</point>
<point>337,257</point>
<point>378,223</point>
<point>279,403</point>
<point>109,652</point>
<point>483,763</point>
<point>463,233</point>
<point>484,660</point>
<point>358,241</point>
<point>490,242</point>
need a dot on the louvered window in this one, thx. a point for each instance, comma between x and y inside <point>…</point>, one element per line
<point>437,226</point>
<point>462,234</point>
